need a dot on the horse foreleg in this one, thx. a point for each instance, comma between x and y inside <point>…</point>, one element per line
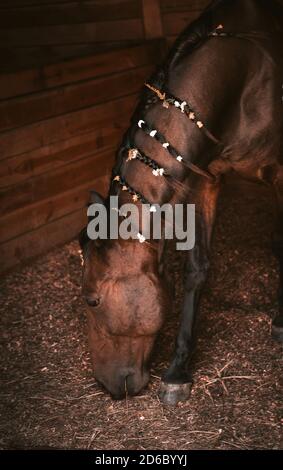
<point>177,381</point>
<point>277,245</point>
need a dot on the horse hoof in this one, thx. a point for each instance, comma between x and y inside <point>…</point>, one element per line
<point>171,394</point>
<point>277,333</point>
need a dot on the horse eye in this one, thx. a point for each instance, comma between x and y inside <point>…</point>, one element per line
<point>93,302</point>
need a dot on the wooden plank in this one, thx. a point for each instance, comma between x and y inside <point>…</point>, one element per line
<point>50,76</point>
<point>39,241</point>
<point>15,59</point>
<point>10,4</point>
<point>35,243</point>
<point>174,23</point>
<point>56,182</point>
<point>44,105</point>
<point>21,167</point>
<point>152,19</point>
<point>36,215</point>
<point>73,34</point>
<point>64,127</point>
<point>68,13</point>
<point>183,5</point>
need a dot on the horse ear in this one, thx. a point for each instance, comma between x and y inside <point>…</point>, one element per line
<point>96,198</point>
<point>83,238</point>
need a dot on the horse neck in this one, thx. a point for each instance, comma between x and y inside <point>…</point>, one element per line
<point>186,138</point>
<point>204,79</point>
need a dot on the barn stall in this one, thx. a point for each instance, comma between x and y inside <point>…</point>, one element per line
<point>71,73</point>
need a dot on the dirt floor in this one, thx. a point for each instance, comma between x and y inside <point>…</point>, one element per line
<point>49,398</point>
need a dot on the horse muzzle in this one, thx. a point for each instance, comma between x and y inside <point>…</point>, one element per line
<point>124,382</point>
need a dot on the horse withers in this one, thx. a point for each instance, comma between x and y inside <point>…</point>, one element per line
<point>215,105</point>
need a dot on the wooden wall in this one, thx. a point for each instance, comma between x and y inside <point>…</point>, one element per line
<point>59,128</point>
<point>37,32</point>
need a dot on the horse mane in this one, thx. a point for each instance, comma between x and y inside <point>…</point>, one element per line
<point>194,34</point>
<point>191,38</point>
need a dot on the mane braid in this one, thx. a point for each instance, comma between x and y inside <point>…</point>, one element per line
<point>157,170</point>
<point>190,39</point>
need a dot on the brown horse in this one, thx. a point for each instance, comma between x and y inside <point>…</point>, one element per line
<point>215,105</point>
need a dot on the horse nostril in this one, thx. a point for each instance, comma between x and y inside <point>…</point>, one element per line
<point>92,302</point>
